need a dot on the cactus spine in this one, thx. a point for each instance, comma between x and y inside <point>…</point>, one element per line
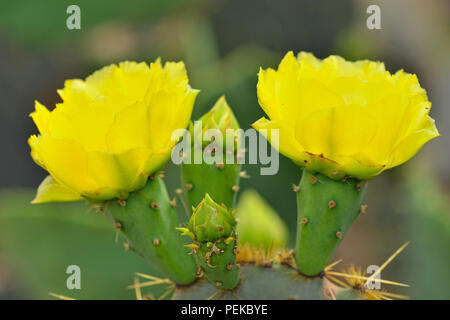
<point>326,208</point>
<point>148,220</point>
<point>212,229</point>
<point>219,179</point>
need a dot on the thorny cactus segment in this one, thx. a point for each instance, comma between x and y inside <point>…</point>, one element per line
<point>326,209</point>
<point>212,229</point>
<point>221,178</point>
<point>259,224</point>
<point>220,181</point>
<point>148,221</point>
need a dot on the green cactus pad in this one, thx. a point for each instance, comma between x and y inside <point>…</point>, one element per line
<point>220,180</point>
<point>212,229</point>
<point>148,222</point>
<point>326,209</point>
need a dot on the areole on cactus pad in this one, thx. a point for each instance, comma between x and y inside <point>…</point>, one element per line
<point>342,122</point>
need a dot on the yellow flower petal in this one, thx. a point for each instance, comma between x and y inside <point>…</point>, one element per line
<point>267,83</point>
<point>117,173</point>
<point>50,191</point>
<point>33,142</point>
<point>130,129</point>
<point>335,132</point>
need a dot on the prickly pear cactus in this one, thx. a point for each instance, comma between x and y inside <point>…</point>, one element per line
<point>221,177</point>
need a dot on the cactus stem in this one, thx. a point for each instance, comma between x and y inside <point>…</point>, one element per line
<point>219,165</point>
<point>317,240</point>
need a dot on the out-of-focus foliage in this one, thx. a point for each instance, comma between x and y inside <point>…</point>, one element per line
<point>39,242</point>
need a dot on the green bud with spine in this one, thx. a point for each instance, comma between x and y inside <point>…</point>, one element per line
<point>218,176</point>
<point>212,230</point>
<point>148,221</point>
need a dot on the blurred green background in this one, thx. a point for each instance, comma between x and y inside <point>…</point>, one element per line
<point>223,44</point>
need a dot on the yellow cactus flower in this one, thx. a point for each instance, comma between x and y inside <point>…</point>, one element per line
<point>343,118</point>
<point>111,131</point>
